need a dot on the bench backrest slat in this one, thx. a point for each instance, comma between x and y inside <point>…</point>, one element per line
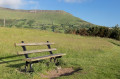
<point>32,44</point>
<point>36,51</point>
<point>25,52</point>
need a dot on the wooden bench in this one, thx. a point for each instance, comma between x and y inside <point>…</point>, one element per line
<point>30,61</point>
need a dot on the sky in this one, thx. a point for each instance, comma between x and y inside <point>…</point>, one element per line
<point>99,12</point>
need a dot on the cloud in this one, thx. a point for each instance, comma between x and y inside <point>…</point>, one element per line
<point>74,1</point>
<point>11,3</point>
<point>16,4</point>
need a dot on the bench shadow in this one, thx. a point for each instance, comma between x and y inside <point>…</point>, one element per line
<point>3,62</point>
<point>8,57</point>
<point>77,70</point>
<point>71,73</point>
<point>21,66</point>
<point>16,65</point>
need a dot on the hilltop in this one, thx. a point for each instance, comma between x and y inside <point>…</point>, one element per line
<point>43,19</point>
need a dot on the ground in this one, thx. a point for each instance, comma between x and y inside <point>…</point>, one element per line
<point>98,58</point>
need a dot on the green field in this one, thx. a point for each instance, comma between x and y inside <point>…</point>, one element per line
<point>99,58</point>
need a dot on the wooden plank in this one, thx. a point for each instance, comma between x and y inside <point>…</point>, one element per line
<point>36,51</point>
<point>32,44</point>
<point>43,57</point>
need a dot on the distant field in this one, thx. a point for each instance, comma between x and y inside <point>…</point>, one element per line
<point>99,58</point>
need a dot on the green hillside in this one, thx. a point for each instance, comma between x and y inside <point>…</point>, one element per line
<point>43,19</point>
<point>99,58</point>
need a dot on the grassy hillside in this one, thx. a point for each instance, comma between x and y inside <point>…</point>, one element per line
<point>42,16</point>
<point>99,58</point>
<point>40,19</point>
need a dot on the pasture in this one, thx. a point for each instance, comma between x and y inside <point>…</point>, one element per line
<point>99,58</point>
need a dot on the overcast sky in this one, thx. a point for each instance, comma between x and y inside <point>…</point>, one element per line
<point>100,12</point>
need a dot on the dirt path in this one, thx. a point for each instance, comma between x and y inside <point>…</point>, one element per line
<point>60,72</point>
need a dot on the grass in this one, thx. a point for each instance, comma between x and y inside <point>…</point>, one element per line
<point>98,57</point>
<point>46,17</point>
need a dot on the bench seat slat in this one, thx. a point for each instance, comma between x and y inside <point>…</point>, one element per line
<point>32,44</point>
<point>36,51</point>
<point>42,57</point>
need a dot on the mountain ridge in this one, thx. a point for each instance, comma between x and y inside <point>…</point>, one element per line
<point>35,10</point>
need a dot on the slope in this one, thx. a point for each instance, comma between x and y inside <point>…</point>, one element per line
<point>39,18</point>
<point>97,57</point>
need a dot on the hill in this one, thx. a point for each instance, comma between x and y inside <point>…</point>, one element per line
<point>99,58</point>
<point>43,19</point>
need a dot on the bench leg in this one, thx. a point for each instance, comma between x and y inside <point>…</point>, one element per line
<point>26,66</point>
<point>56,60</point>
<point>31,69</point>
<point>51,59</point>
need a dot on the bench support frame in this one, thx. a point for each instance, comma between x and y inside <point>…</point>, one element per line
<point>27,63</point>
<point>30,63</point>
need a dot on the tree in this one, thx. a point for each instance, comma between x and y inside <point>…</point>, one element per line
<point>115,32</point>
